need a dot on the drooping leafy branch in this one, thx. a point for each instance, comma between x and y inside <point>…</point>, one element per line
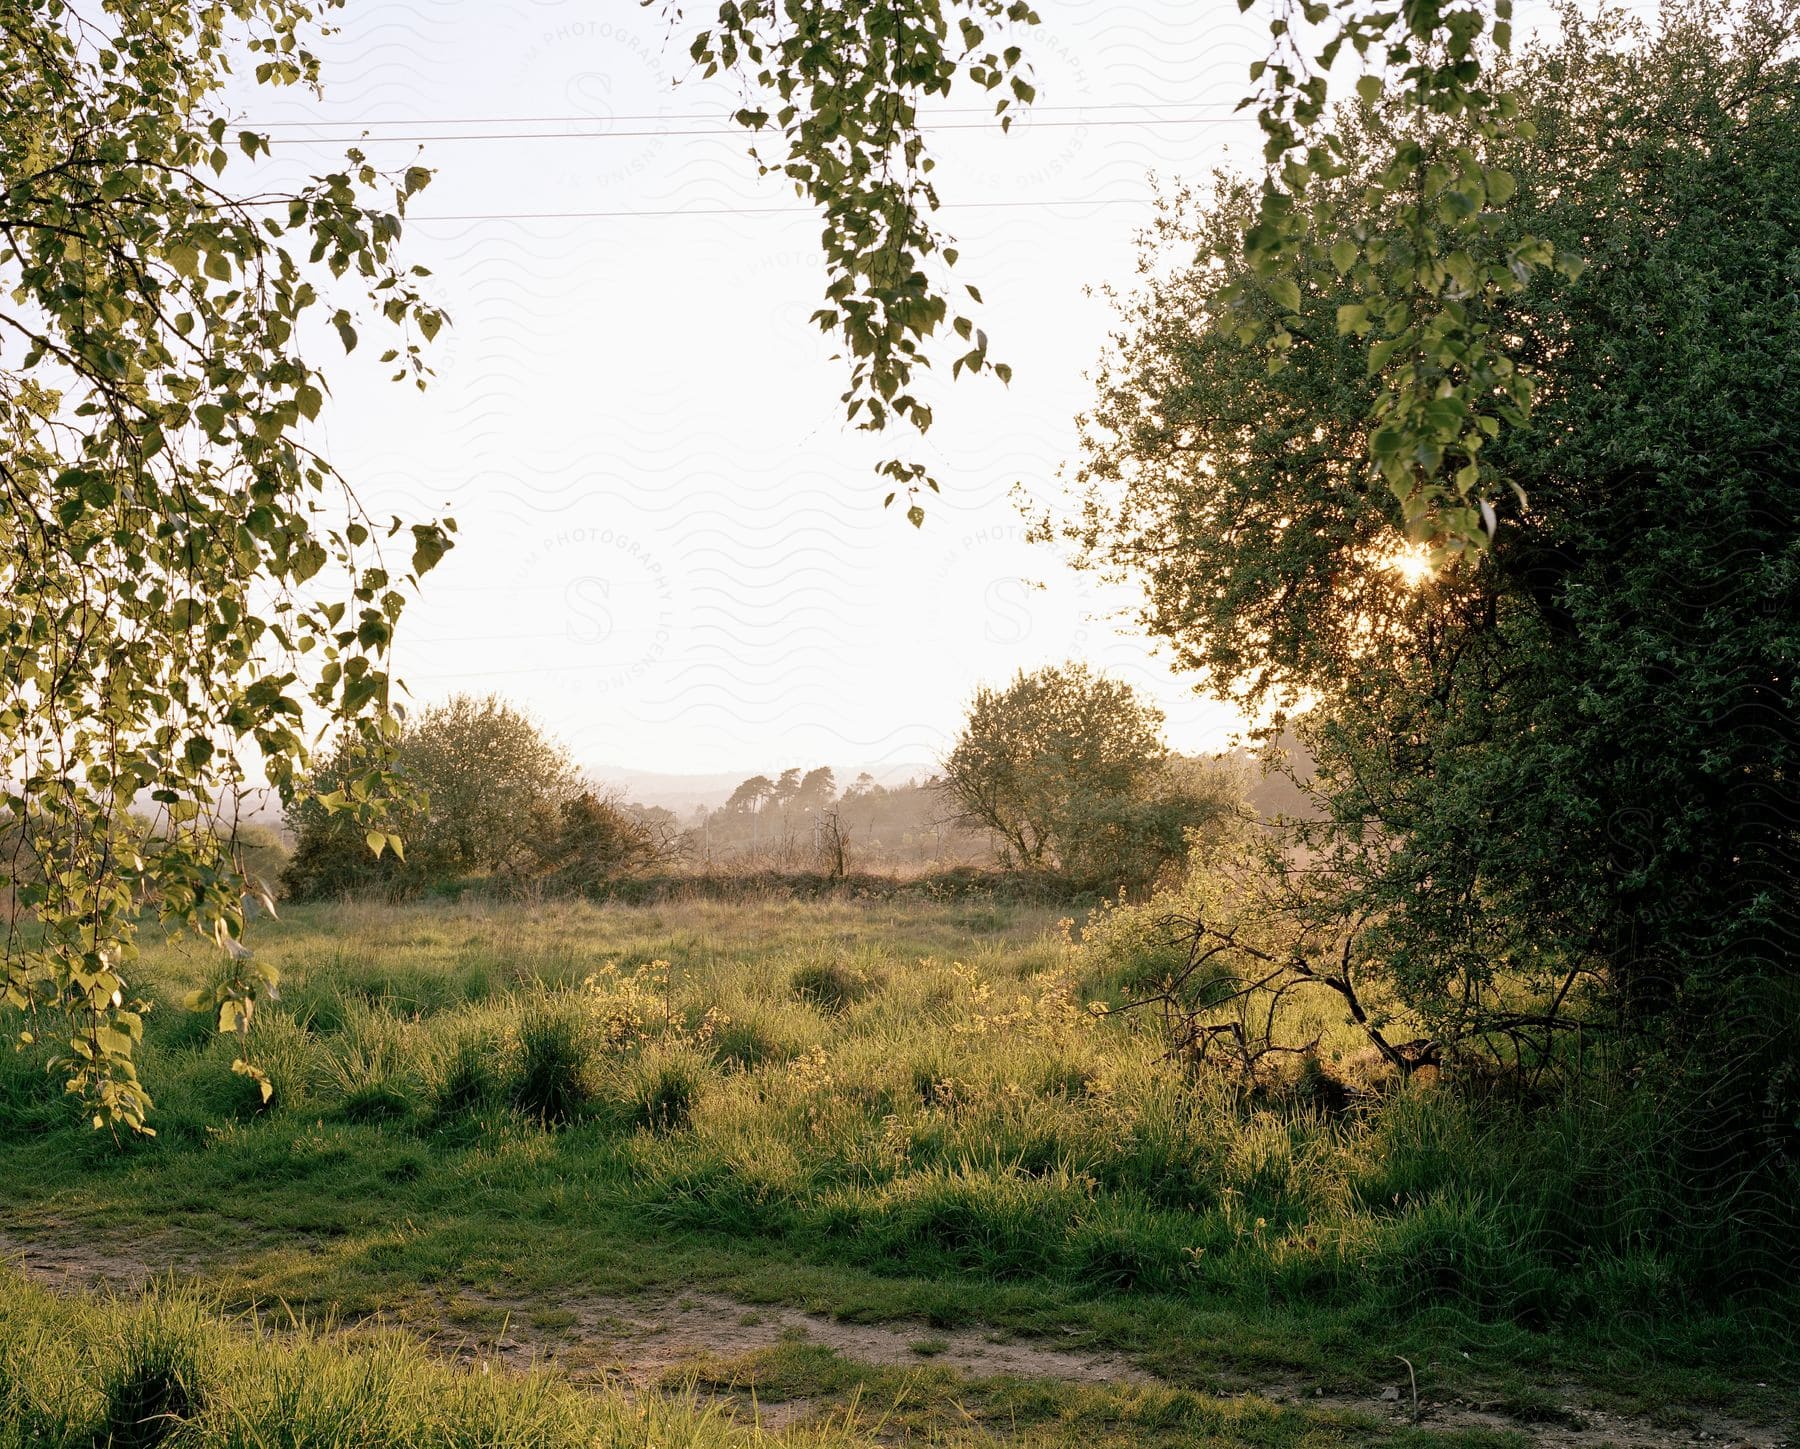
<point>848,81</point>
<point>180,572</point>
<point>1424,253</point>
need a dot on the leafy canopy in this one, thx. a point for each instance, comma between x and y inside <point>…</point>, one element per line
<point>181,574</point>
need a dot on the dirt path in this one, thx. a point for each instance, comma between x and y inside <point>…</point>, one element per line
<point>643,1339</point>
<point>653,1339</point>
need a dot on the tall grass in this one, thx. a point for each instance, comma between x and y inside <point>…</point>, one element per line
<point>868,1084</point>
<point>168,1370</point>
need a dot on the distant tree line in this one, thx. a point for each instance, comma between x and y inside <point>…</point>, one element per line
<point>1061,774</point>
<point>800,820</point>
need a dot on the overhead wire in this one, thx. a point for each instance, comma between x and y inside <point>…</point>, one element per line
<point>1018,111</point>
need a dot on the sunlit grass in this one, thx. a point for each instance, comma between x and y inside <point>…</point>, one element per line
<point>884,1108</point>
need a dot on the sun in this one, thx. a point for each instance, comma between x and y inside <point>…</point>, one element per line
<point>1414,564</point>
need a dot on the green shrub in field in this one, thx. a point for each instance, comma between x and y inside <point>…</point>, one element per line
<point>154,1383</point>
<point>664,1085</point>
<point>372,1069</point>
<point>744,1044</point>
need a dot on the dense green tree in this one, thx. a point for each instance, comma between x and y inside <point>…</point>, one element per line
<point>492,797</point>
<point>1565,763</point>
<point>1069,769</point>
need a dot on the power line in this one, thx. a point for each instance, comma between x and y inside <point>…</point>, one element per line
<point>1033,110</point>
<point>750,211</point>
<point>361,140</point>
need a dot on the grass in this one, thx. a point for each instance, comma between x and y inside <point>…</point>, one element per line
<point>880,1109</point>
<point>168,1371</point>
<point>172,1369</point>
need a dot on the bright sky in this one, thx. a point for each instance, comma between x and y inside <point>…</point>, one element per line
<point>673,551</point>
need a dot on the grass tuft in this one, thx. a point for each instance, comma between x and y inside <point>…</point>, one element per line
<point>551,1080</point>
<point>830,986</point>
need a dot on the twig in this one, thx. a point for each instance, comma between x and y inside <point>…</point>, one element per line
<point>1414,1378</point>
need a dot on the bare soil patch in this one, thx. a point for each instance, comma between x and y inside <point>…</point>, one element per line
<point>646,1339</point>
<point>1578,1425</point>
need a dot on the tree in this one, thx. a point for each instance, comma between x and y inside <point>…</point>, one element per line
<point>1559,772</point>
<point>492,796</point>
<point>168,559</point>
<point>787,792</point>
<point>818,789</point>
<point>602,839</point>
<point>493,780</point>
<point>1069,769</point>
<point>749,797</point>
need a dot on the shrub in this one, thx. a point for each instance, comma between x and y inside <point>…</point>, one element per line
<point>745,1044</point>
<point>372,1066</point>
<point>599,840</point>
<point>155,1382</point>
<point>467,1078</point>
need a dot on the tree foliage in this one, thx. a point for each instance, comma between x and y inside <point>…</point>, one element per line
<point>849,85</point>
<point>181,574</point>
<point>1423,257</point>
<point>1555,776</point>
<point>1069,769</point>
<point>491,795</point>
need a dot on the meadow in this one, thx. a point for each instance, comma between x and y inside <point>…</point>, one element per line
<point>834,1171</point>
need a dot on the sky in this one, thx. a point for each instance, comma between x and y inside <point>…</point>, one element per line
<point>672,548</point>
